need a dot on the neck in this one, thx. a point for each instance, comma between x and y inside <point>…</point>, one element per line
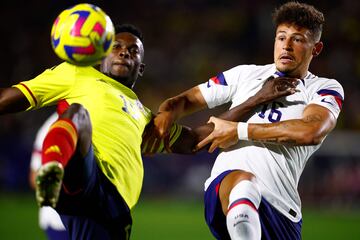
<point>291,74</point>
<point>124,81</point>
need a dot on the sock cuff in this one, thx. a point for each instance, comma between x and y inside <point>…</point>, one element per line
<point>245,192</point>
<point>242,201</point>
<point>68,126</point>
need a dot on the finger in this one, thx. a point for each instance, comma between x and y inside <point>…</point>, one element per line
<point>161,133</point>
<point>294,90</point>
<point>212,119</point>
<point>283,93</point>
<point>287,83</point>
<point>212,147</point>
<point>204,142</point>
<point>296,82</point>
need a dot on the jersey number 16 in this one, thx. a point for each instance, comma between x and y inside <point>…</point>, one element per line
<point>275,114</point>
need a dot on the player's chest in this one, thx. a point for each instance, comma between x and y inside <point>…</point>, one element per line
<point>121,102</point>
<point>289,107</point>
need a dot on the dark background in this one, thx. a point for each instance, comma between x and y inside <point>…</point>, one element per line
<point>186,43</point>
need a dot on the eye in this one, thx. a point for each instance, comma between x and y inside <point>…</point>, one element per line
<point>134,50</point>
<point>298,39</point>
<point>281,38</point>
<point>116,45</point>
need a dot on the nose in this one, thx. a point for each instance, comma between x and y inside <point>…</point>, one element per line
<point>287,45</point>
<point>124,53</point>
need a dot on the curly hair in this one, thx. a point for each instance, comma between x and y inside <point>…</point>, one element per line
<point>302,15</point>
<point>130,29</point>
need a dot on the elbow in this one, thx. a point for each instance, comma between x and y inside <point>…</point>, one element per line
<point>310,138</point>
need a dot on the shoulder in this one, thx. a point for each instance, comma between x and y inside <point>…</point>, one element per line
<point>324,84</point>
<point>249,71</point>
<point>70,69</point>
<point>251,68</point>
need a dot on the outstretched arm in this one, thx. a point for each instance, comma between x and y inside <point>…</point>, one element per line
<point>273,88</point>
<point>316,123</point>
<point>192,99</point>
<point>12,100</point>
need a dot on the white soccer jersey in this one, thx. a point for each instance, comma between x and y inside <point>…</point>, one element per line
<point>277,167</point>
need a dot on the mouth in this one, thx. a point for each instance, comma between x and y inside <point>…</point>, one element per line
<point>121,63</point>
<point>286,58</point>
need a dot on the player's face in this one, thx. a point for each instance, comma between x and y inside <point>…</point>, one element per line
<point>124,63</point>
<point>294,49</point>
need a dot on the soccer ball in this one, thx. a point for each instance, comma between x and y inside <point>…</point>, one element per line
<point>82,35</point>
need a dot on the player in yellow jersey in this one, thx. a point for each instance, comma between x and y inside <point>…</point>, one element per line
<point>92,170</point>
<point>96,139</point>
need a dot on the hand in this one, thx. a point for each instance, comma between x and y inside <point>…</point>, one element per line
<point>156,132</point>
<point>224,135</point>
<point>152,144</point>
<point>162,124</point>
<point>275,88</point>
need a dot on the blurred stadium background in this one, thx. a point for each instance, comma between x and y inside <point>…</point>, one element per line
<point>186,42</point>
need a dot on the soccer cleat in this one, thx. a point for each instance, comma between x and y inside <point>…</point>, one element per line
<point>48,183</point>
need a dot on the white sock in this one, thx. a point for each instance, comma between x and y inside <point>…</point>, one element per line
<point>242,219</point>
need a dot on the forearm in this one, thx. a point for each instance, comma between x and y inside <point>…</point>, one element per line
<point>294,132</point>
<point>175,105</point>
<point>242,111</point>
<point>236,114</point>
<point>12,100</point>
<point>180,106</point>
<point>186,142</point>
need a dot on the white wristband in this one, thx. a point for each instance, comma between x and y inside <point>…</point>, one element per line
<point>242,130</point>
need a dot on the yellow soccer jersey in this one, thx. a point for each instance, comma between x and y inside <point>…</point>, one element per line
<point>117,117</point>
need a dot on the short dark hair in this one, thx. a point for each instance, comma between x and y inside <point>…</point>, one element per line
<point>302,15</point>
<point>130,29</point>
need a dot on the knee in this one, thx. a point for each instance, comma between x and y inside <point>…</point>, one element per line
<point>78,114</point>
<point>229,183</point>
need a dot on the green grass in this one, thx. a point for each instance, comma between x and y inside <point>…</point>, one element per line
<point>169,219</point>
<point>331,224</point>
<point>18,217</point>
<point>164,219</point>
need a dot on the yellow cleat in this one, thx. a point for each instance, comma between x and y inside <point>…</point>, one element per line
<point>48,183</point>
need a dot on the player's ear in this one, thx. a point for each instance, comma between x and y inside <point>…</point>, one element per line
<point>317,48</point>
<point>141,69</point>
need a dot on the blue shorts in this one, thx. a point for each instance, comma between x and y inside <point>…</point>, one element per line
<point>89,204</point>
<point>274,225</point>
<point>53,234</point>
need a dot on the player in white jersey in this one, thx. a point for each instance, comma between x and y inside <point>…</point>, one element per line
<point>252,190</point>
<point>49,219</point>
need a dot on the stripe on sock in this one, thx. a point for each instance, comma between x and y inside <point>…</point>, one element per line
<point>242,201</point>
<point>68,126</point>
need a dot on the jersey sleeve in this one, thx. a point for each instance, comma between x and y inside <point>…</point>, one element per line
<point>151,145</point>
<point>329,95</point>
<point>48,88</point>
<point>221,88</point>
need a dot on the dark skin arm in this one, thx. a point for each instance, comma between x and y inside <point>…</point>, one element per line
<point>12,100</point>
<point>272,89</point>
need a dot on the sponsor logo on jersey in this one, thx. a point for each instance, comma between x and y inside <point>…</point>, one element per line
<point>337,96</point>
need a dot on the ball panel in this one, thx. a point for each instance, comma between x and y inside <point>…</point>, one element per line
<point>82,35</point>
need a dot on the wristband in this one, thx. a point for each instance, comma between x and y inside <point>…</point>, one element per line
<point>242,130</point>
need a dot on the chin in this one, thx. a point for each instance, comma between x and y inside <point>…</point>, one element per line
<point>284,69</point>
